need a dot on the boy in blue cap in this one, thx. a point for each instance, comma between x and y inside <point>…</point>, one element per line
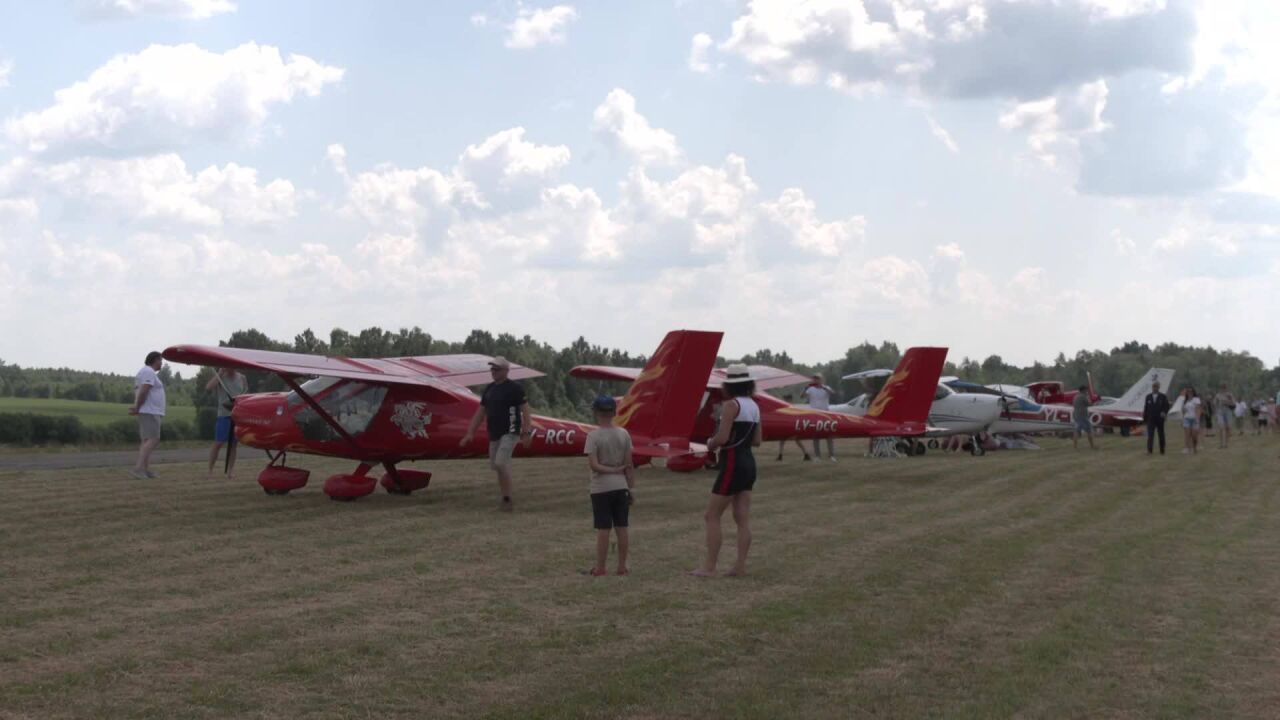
<point>612,479</point>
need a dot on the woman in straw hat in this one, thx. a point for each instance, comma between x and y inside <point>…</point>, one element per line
<point>738,432</point>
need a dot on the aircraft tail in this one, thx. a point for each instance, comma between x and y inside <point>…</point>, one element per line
<point>1134,397</point>
<point>662,404</point>
<point>908,394</point>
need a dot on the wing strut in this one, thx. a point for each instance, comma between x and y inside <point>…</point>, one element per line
<point>320,411</point>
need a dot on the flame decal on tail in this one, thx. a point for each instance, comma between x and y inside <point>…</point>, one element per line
<point>908,394</point>
<point>663,402</point>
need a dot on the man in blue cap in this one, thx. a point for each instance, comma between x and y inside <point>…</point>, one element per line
<point>612,481</point>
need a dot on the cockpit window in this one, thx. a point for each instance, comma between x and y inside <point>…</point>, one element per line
<point>312,387</point>
<point>942,392</point>
<point>352,404</point>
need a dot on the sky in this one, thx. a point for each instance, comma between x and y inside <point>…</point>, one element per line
<point>1010,177</point>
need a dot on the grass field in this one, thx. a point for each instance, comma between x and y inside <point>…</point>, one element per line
<point>90,413</point>
<point>1022,584</point>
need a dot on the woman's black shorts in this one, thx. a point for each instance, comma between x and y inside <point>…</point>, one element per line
<point>737,472</point>
<point>612,509</point>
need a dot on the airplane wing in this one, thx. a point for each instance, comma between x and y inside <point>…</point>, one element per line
<point>766,377</point>
<point>869,374</point>
<point>605,372</point>
<point>440,371</point>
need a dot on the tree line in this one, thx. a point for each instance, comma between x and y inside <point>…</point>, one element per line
<point>559,394</point>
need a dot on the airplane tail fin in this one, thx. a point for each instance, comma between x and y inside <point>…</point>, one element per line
<point>908,394</point>
<point>662,404</point>
<point>1135,396</point>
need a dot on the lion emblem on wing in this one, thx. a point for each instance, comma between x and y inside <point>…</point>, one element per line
<point>412,419</point>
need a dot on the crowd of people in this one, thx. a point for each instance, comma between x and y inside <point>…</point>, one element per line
<point>504,409</point>
<point>1221,415</point>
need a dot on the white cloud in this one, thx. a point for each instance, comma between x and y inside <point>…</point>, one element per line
<point>169,96</point>
<point>981,48</point>
<point>617,122</point>
<point>161,189</point>
<point>699,50</point>
<point>540,26</point>
<point>506,165</point>
<point>1056,124</point>
<point>189,9</point>
<point>6,69</point>
<point>942,135</point>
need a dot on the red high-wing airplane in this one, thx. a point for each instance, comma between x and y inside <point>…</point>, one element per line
<point>386,411</point>
<point>901,409</point>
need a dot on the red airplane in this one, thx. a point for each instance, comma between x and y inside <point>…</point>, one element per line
<point>901,409</point>
<point>389,410</point>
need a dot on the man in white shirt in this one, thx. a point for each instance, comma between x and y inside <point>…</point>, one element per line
<point>818,394</point>
<point>148,406</point>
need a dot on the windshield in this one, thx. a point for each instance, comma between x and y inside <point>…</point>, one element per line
<point>353,405</point>
<point>312,387</point>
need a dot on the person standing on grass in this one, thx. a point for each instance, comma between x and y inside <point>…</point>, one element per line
<point>818,394</point>
<point>226,385</point>
<point>148,406</point>
<point>1242,411</point>
<point>1224,404</point>
<point>1190,421</point>
<point>1080,417</point>
<point>613,483</point>
<point>506,410</point>
<point>782,444</point>
<point>1154,411</point>
<point>739,431</point>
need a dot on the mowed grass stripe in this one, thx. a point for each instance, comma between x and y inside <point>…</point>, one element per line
<point>1057,599</point>
<point>919,566</point>
<point>336,611</point>
<point>199,556</point>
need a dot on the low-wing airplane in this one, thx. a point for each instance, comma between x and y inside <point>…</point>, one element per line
<point>1023,414</point>
<point>900,410</point>
<point>951,413</point>
<point>390,410</point>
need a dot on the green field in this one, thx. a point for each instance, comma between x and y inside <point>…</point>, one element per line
<point>1052,584</point>
<point>90,413</point>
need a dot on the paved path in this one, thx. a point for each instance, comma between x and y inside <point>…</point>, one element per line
<point>120,458</point>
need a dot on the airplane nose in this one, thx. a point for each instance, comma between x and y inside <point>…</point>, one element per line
<point>258,409</point>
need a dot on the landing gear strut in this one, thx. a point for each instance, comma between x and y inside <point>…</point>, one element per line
<point>976,448</point>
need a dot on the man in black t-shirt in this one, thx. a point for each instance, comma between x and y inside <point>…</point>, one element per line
<point>506,411</point>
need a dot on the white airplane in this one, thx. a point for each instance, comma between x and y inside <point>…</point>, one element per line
<point>1022,414</point>
<point>951,413</point>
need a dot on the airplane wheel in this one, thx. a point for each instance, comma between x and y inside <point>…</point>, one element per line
<point>348,487</point>
<point>409,481</point>
<point>279,480</point>
<point>918,449</point>
<point>978,450</point>
<point>934,445</point>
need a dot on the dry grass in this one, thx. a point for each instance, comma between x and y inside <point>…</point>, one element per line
<point>1051,584</point>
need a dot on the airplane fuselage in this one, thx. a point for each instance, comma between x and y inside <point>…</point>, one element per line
<point>386,424</point>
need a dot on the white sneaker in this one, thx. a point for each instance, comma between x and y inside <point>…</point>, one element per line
<point>833,458</point>
<point>1186,451</point>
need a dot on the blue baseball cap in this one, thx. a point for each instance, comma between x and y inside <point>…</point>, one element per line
<point>604,403</point>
